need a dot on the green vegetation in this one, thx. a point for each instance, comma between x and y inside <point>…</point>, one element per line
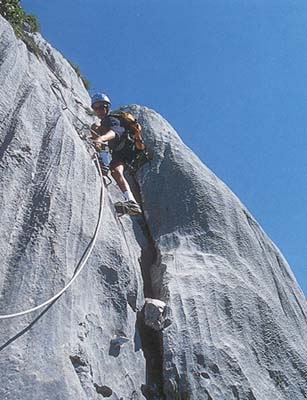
<point>32,21</point>
<point>22,23</point>
<point>15,14</point>
<point>86,82</point>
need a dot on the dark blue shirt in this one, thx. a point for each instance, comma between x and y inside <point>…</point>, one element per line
<point>112,123</point>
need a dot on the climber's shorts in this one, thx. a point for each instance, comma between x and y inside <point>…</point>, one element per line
<point>121,157</point>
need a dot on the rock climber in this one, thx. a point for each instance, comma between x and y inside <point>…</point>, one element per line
<point>110,132</point>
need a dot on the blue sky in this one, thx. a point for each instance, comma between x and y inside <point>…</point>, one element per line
<point>229,75</point>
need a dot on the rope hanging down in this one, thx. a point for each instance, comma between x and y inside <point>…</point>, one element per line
<point>87,254</point>
<point>82,262</point>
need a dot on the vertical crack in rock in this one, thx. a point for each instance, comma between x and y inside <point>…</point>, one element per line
<point>237,332</point>
<point>152,343</point>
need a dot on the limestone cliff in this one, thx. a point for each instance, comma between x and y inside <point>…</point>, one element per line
<point>237,318</point>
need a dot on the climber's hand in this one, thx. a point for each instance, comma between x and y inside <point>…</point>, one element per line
<point>95,130</point>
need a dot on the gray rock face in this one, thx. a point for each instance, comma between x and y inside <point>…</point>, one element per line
<point>238,316</point>
<point>49,196</point>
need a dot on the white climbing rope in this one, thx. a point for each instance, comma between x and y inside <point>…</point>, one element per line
<point>82,262</point>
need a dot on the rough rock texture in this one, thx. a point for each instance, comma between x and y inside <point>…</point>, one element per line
<point>49,196</point>
<point>238,316</point>
<point>154,314</point>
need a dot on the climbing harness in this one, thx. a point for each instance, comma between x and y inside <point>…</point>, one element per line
<point>142,157</point>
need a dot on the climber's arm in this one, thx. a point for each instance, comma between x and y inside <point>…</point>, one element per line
<point>105,137</point>
<point>114,130</point>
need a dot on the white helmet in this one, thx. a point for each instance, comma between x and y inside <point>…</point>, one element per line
<point>100,97</point>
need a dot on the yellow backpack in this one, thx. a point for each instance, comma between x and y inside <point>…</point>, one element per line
<point>132,128</point>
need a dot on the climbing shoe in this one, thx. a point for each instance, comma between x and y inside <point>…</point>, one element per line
<point>127,207</point>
